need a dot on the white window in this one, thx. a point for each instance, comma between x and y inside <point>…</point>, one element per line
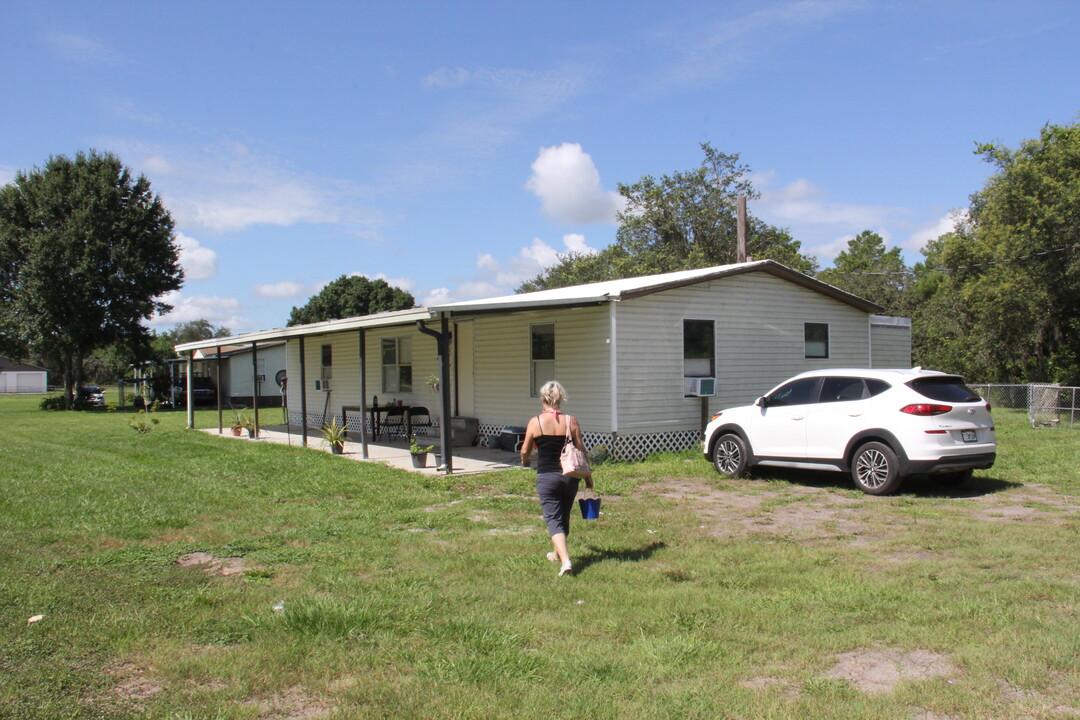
<point>699,348</point>
<point>816,337</point>
<point>327,359</point>
<point>541,356</point>
<point>397,364</point>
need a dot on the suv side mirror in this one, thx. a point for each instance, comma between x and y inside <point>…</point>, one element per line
<point>762,402</point>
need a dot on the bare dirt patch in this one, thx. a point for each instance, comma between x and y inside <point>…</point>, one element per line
<point>293,704</point>
<point>133,684</point>
<point>807,513</point>
<point>798,512</point>
<point>880,671</point>
<point>213,565</point>
<point>1032,504</point>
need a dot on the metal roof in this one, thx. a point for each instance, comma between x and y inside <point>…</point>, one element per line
<point>616,290</point>
<point>397,317</point>
<point>576,295</point>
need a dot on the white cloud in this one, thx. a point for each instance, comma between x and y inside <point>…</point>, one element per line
<point>438,296</point>
<point>503,277</point>
<point>199,262</point>
<point>229,187</point>
<point>82,49</point>
<point>447,77</point>
<point>279,290</point>
<point>405,284</point>
<point>575,242</point>
<point>801,201</point>
<point>217,310</point>
<point>826,253</point>
<point>568,184</point>
<point>925,234</point>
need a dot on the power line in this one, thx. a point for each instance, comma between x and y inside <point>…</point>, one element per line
<point>911,271</point>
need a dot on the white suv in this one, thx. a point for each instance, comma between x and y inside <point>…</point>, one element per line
<point>879,425</point>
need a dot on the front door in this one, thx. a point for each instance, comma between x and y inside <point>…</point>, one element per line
<point>464,368</point>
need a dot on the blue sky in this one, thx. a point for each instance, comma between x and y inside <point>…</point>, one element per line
<point>455,148</point>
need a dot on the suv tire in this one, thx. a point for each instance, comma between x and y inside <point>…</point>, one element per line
<point>730,456</point>
<point>876,469</point>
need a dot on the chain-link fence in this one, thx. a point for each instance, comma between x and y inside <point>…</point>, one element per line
<point>1046,405</point>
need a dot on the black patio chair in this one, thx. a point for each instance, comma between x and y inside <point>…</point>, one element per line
<point>419,417</point>
<point>393,423</point>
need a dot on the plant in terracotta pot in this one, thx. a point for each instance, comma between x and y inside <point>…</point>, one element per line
<point>238,421</point>
<point>335,434</point>
<point>419,453</point>
<point>247,421</point>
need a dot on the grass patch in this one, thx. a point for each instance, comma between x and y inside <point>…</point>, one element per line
<point>356,590</point>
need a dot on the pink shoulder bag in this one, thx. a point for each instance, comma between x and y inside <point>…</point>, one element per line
<point>573,461</point>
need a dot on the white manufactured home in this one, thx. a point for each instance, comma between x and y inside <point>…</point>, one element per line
<point>644,360</point>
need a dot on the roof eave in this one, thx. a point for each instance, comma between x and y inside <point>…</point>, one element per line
<point>328,327</point>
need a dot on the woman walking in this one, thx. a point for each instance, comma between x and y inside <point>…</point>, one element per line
<point>547,432</point>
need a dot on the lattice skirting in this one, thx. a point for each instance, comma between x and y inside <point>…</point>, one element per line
<point>628,448</point>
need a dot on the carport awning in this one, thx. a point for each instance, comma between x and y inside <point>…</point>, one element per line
<point>399,317</point>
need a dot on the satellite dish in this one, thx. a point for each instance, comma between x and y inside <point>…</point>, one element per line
<point>281,378</point>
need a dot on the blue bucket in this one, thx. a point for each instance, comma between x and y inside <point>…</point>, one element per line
<point>590,508</point>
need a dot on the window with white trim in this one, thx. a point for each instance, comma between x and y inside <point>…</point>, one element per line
<point>541,356</point>
<point>397,364</point>
<point>816,338</point>
<point>326,362</point>
<point>699,348</point>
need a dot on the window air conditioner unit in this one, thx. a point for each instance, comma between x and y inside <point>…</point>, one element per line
<point>322,384</point>
<point>699,387</point>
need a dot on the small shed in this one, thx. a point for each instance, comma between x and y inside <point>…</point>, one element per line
<point>16,377</point>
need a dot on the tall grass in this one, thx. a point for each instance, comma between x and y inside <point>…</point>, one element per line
<point>371,592</point>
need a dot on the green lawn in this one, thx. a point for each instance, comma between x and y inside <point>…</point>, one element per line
<point>398,596</point>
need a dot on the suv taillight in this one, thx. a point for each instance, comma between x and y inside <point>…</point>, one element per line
<point>925,409</point>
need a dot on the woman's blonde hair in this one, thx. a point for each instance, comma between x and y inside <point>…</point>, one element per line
<point>552,393</point>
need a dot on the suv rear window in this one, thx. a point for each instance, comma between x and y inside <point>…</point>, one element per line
<point>944,389</point>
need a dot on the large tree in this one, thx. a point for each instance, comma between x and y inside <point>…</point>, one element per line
<point>351,296</point>
<point>867,269</point>
<point>86,253</point>
<point>1001,295</point>
<point>679,222</point>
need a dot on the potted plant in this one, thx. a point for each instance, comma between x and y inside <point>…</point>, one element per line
<point>335,434</point>
<point>238,421</point>
<point>419,454</point>
<point>433,383</point>
<point>247,421</point>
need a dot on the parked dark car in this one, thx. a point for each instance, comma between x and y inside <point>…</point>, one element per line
<point>204,393</point>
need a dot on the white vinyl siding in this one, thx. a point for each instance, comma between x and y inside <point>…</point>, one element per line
<point>501,346</point>
<point>345,386</point>
<point>890,342</point>
<point>238,382</point>
<point>759,342</point>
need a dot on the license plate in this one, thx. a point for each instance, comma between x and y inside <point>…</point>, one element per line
<point>969,436</point>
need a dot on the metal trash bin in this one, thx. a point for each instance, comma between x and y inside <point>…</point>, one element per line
<point>512,438</point>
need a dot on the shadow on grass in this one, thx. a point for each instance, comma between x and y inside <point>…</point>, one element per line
<point>599,555</point>
<point>917,485</point>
